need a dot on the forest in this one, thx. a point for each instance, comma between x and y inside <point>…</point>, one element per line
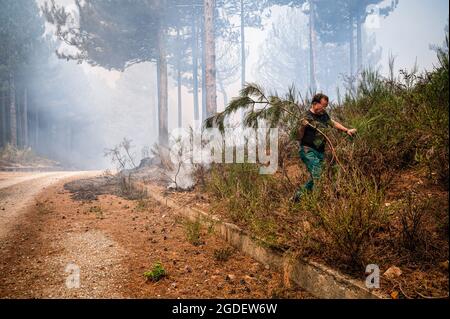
<point>96,92</point>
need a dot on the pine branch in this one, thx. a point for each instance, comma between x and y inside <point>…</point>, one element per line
<point>274,110</point>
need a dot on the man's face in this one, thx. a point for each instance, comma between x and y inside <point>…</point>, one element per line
<point>319,108</point>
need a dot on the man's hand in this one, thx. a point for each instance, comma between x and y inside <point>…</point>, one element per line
<point>351,132</point>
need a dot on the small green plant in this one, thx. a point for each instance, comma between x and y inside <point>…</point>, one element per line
<point>222,254</point>
<point>192,230</point>
<point>157,273</point>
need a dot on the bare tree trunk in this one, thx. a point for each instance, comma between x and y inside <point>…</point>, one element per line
<point>36,129</point>
<point>243,57</point>
<point>3,131</point>
<point>180,114</point>
<point>195,64</point>
<point>25,118</point>
<point>204,115</point>
<point>312,66</point>
<point>19,109</point>
<point>210,59</point>
<point>162,89</point>
<point>223,91</point>
<point>12,109</point>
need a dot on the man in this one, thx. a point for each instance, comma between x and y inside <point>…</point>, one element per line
<point>312,142</point>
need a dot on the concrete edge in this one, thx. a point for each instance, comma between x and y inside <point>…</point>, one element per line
<point>319,280</point>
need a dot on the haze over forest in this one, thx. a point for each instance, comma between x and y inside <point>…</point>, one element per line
<point>73,105</point>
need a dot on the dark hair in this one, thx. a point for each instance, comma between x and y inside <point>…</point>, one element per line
<point>318,98</point>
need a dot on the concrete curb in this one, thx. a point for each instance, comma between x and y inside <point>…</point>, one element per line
<point>319,280</point>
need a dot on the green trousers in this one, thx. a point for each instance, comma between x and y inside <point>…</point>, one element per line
<point>314,162</point>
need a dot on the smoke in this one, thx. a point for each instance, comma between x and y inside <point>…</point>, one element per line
<point>83,110</point>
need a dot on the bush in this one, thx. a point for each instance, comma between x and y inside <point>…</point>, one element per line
<point>157,273</point>
<point>412,218</point>
<point>348,210</point>
<point>400,124</point>
<point>192,230</point>
<point>421,219</point>
<point>247,198</point>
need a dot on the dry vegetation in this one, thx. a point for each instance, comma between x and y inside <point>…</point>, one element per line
<point>11,156</point>
<point>387,201</point>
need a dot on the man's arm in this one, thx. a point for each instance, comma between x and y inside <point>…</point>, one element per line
<point>342,128</point>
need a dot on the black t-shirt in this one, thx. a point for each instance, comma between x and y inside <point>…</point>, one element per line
<point>312,138</point>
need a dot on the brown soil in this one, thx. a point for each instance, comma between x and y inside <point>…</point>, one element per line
<point>113,241</point>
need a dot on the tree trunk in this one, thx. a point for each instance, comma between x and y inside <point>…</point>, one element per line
<point>162,89</point>
<point>36,129</point>
<point>223,91</point>
<point>210,59</point>
<point>243,57</point>
<point>312,66</point>
<point>180,114</point>
<point>12,110</point>
<point>204,115</point>
<point>195,64</point>
<point>25,118</point>
<point>3,131</point>
<point>19,111</point>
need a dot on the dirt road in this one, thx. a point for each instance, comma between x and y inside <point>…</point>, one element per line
<point>17,191</point>
<point>53,246</point>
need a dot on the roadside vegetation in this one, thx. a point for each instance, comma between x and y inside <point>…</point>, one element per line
<point>383,196</point>
<point>11,156</point>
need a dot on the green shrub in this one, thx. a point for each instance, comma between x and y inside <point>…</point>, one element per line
<point>157,273</point>
<point>192,230</point>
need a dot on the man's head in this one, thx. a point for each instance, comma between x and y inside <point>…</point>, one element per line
<point>319,103</point>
